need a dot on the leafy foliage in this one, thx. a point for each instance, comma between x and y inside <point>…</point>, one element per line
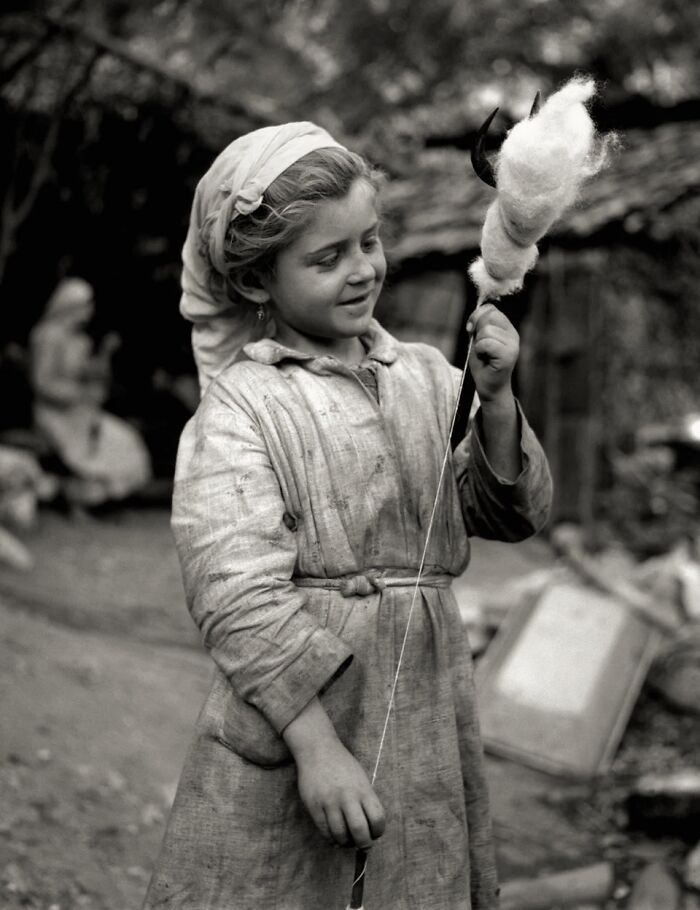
<point>386,67</point>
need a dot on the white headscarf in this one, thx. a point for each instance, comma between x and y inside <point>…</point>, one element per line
<point>233,185</point>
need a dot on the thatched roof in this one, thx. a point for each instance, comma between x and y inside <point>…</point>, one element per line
<point>440,208</point>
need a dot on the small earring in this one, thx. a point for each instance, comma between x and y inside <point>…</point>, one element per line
<point>260,312</point>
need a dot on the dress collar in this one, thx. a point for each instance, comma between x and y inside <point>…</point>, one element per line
<point>379,345</point>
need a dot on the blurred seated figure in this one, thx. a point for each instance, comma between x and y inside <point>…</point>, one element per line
<point>101,457</point>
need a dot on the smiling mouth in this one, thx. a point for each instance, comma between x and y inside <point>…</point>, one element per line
<point>361,298</point>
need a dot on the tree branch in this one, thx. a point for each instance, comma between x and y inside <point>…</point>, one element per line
<point>15,211</point>
<point>42,169</point>
<point>36,47</point>
<point>26,56</point>
<point>121,51</point>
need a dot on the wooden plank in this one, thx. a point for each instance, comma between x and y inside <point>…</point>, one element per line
<point>561,889</point>
<point>559,681</point>
<point>655,889</point>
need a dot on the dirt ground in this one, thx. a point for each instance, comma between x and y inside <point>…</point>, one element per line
<point>102,676</point>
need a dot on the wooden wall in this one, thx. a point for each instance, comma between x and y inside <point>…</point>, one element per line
<point>559,377</point>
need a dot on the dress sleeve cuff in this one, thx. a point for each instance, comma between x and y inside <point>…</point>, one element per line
<point>497,508</point>
<point>322,661</point>
<point>481,464</point>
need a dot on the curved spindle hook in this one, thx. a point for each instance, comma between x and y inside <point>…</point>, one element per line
<point>481,164</point>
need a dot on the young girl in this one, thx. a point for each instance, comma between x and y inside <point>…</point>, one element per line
<point>303,493</point>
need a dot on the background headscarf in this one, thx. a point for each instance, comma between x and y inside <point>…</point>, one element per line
<point>71,295</point>
<point>233,185</point>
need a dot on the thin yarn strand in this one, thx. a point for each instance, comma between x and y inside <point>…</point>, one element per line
<point>418,578</point>
<point>421,566</point>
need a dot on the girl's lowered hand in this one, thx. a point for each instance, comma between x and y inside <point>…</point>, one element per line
<point>332,784</point>
<point>339,797</point>
<point>494,353</point>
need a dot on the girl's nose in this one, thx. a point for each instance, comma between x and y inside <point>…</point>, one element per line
<point>361,269</point>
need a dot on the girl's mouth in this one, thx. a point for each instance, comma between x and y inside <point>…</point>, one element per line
<point>361,298</point>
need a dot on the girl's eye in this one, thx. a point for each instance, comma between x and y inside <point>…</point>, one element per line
<point>328,261</point>
<point>370,243</point>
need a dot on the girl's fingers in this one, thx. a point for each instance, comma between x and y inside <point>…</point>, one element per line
<point>357,825</point>
<point>498,333</point>
<point>319,819</point>
<point>486,314</point>
<point>337,826</point>
<point>492,339</point>
<point>490,349</point>
<point>375,816</point>
<point>491,330</point>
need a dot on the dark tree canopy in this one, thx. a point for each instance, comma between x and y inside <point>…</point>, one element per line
<point>382,69</point>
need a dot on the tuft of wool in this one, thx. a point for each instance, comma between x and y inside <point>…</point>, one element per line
<point>491,288</point>
<point>540,169</point>
<point>504,258</point>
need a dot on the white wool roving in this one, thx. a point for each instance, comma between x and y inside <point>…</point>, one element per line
<point>542,164</point>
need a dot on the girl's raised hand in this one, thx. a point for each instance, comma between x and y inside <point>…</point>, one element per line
<point>333,785</point>
<point>494,352</point>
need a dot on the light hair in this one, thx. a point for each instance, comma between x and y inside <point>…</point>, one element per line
<point>253,241</point>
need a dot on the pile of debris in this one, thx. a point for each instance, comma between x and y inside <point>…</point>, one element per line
<point>590,887</point>
<point>662,593</point>
<point>564,656</point>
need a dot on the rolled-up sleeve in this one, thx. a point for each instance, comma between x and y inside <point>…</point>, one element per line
<point>238,557</point>
<point>496,508</point>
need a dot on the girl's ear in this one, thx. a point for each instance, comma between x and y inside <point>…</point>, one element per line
<point>249,285</point>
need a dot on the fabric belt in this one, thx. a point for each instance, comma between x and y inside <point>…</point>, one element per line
<point>371,582</point>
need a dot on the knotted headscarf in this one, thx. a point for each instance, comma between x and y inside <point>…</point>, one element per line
<point>233,185</point>
<point>71,295</point>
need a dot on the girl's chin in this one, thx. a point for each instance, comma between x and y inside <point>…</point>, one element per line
<point>342,327</point>
<point>353,318</point>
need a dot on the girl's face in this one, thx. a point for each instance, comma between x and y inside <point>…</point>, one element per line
<point>327,282</point>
